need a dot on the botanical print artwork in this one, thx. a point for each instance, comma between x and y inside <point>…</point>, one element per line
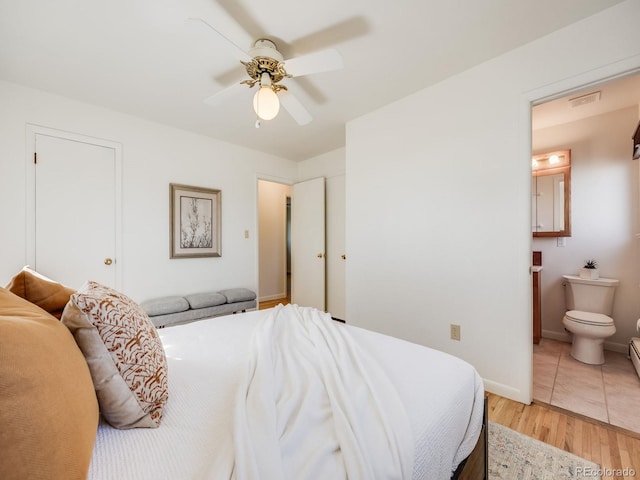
<point>194,218</point>
<point>196,230</point>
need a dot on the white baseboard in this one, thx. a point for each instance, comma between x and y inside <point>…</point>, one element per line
<point>560,336</point>
<point>617,347</point>
<point>566,337</point>
<point>276,296</point>
<point>506,391</point>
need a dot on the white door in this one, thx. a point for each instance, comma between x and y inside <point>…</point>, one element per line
<point>308,244</point>
<point>336,253</point>
<point>75,210</point>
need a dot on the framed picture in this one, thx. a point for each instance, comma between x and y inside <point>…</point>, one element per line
<point>194,221</point>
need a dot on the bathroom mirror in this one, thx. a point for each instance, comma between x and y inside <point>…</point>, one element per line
<point>551,194</point>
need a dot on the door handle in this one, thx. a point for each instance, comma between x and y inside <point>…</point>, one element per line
<point>108,261</point>
<point>343,256</point>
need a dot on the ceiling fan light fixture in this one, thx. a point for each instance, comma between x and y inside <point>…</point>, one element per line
<point>266,103</point>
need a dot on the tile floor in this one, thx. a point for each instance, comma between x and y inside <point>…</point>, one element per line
<point>609,392</point>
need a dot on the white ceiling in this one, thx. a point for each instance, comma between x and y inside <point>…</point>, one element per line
<point>138,57</point>
<point>612,95</point>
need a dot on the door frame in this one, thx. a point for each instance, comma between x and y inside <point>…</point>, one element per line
<point>32,131</point>
<point>281,181</point>
<point>536,96</point>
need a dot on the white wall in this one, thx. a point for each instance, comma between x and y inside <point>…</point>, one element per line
<point>438,199</point>
<point>272,228</point>
<point>153,156</point>
<point>331,165</point>
<point>604,208</point>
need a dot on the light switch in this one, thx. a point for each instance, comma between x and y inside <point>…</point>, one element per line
<point>562,241</point>
<point>246,234</point>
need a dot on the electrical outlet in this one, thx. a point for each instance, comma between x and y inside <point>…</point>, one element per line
<point>455,332</point>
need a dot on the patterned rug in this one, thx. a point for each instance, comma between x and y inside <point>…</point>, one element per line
<point>514,456</point>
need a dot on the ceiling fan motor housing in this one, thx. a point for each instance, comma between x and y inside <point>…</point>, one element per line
<point>265,48</point>
<point>266,59</point>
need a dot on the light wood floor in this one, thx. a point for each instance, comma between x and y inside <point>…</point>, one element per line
<point>611,447</point>
<point>614,449</point>
<point>273,303</point>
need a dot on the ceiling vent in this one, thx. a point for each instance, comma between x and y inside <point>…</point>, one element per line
<point>585,99</point>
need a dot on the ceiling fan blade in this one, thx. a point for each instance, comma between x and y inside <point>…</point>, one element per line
<point>221,96</point>
<point>322,61</point>
<point>243,17</point>
<point>239,53</point>
<point>332,35</point>
<point>292,105</point>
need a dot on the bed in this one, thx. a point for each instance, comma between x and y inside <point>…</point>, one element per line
<point>207,360</point>
<point>289,393</point>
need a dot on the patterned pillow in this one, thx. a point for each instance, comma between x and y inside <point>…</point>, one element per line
<point>125,355</point>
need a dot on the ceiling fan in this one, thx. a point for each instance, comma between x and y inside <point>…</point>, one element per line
<point>266,68</point>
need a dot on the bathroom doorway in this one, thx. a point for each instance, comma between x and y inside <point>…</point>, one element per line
<point>596,123</point>
<point>274,245</point>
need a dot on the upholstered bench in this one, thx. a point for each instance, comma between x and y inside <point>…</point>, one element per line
<point>175,309</point>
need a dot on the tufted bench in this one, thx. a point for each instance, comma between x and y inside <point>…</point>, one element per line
<point>175,309</point>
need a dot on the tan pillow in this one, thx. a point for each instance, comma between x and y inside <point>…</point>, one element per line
<point>124,353</point>
<point>48,407</point>
<point>44,292</point>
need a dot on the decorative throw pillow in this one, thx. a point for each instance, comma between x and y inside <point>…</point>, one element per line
<point>124,353</point>
<point>49,295</point>
<point>48,407</point>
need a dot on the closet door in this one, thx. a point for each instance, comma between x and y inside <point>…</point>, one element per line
<point>336,251</point>
<point>308,244</point>
<point>75,210</point>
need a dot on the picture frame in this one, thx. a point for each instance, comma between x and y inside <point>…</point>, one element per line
<point>194,221</point>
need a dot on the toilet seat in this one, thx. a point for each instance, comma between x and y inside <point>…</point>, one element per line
<point>589,318</point>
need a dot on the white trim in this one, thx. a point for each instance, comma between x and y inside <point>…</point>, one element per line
<point>507,391</point>
<point>608,72</point>
<point>561,337</point>
<point>617,347</point>
<point>567,338</point>
<point>281,181</point>
<point>31,131</point>
<point>597,76</point>
<point>274,179</point>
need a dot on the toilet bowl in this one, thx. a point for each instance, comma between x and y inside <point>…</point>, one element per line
<point>589,305</point>
<point>589,331</point>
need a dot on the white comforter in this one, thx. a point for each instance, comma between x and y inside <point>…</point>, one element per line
<point>208,365</point>
<point>314,405</point>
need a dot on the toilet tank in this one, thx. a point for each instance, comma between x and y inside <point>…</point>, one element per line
<point>594,296</point>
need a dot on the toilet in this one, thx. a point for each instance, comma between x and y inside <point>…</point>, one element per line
<point>589,305</point>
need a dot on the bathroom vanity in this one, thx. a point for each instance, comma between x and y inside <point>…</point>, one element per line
<point>536,273</point>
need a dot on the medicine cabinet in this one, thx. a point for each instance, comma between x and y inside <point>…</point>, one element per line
<point>551,194</point>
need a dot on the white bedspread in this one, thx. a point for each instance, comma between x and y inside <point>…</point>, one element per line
<point>314,405</point>
<point>442,397</point>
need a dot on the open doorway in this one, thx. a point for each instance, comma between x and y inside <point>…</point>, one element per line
<point>274,243</point>
<point>597,124</point>
<point>291,238</point>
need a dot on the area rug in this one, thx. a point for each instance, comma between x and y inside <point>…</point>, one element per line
<point>513,455</point>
